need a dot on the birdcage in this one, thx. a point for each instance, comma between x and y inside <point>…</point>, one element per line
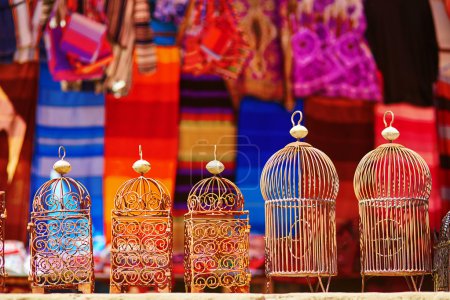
<point>299,184</point>
<point>2,240</point>
<point>61,234</point>
<point>441,268</point>
<point>216,235</point>
<point>142,236</point>
<point>392,184</point>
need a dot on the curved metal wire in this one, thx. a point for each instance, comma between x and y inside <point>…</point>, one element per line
<point>299,184</point>
<point>216,237</point>
<point>142,236</point>
<point>61,237</point>
<point>441,264</point>
<point>393,184</point>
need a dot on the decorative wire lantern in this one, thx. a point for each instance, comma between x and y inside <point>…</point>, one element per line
<point>61,234</point>
<point>2,240</point>
<point>393,184</point>
<point>142,234</point>
<point>441,269</point>
<point>216,235</point>
<point>299,184</point>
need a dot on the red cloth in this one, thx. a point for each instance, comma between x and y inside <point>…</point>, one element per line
<point>19,82</point>
<point>148,116</point>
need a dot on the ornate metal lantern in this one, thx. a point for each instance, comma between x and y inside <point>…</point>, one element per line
<point>216,235</point>
<point>393,184</point>
<point>299,184</point>
<point>441,269</point>
<point>61,234</point>
<point>2,240</point>
<point>142,236</point>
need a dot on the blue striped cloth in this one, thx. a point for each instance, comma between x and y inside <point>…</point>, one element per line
<point>75,120</point>
<point>263,129</point>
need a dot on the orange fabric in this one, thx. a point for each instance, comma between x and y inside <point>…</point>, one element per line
<point>148,116</point>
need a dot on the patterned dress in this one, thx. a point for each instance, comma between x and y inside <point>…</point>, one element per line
<point>330,56</point>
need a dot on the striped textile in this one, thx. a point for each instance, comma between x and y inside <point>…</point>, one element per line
<point>147,116</point>
<point>144,45</point>
<point>17,117</point>
<point>443,125</point>
<point>344,130</point>
<point>76,121</point>
<point>263,129</point>
<point>417,126</point>
<point>206,119</point>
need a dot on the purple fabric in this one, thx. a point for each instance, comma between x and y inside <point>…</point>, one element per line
<point>330,54</point>
<point>170,10</point>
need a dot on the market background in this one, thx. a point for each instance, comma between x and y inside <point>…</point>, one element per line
<point>177,117</point>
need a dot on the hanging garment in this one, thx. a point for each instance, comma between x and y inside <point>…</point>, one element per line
<point>147,116</point>
<point>75,120</point>
<point>343,129</point>
<point>417,126</point>
<point>17,124</point>
<point>212,43</point>
<point>327,52</point>
<point>402,38</point>
<point>206,119</point>
<point>443,126</point>
<point>263,76</point>
<point>263,129</point>
<point>7,32</point>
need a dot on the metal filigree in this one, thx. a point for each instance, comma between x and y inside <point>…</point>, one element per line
<point>441,268</point>
<point>299,184</point>
<point>61,234</point>
<point>142,236</point>
<point>393,184</point>
<point>2,240</point>
<point>216,235</point>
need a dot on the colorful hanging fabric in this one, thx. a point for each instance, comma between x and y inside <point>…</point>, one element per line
<point>17,124</point>
<point>76,121</point>
<point>263,129</point>
<point>213,43</point>
<point>417,126</point>
<point>344,130</point>
<point>147,116</point>
<point>403,41</point>
<point>263,76</point>
<point>328,51</point>
<point>443,126</point>
<point>7,32</point>
<point>206,119</point>
<point>170,10</point>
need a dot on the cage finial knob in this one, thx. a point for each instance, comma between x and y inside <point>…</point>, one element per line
<point>141,166</point>
<point>389,133</point>
<point>215,167</point>
<point>62,166</point>
<point>298,131</point>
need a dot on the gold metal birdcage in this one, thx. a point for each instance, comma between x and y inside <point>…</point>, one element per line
<point>142,234</point>
<point>216,235</point>
<point>2,240</point>
<point>392,184</point>
<point>441,268</point>
<point>299,184</point>
<point>61,234</point>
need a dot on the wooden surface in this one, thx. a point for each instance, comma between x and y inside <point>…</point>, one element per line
<point>179,296</point>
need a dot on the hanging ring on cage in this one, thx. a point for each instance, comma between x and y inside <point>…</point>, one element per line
<point>392,118</point>
<point>299,120</point>
<point>61,148</point>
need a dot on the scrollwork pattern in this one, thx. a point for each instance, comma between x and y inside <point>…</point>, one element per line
<point>141,251</point>
<point>216,252</point>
